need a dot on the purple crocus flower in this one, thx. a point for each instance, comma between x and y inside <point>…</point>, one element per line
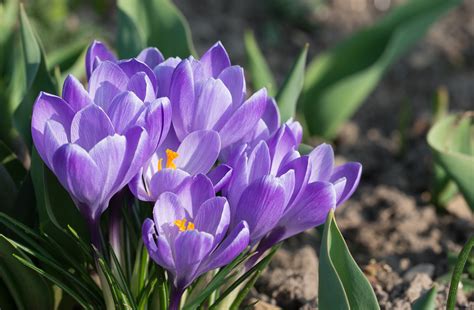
<point>189,233</point>
<point>95,141</point>
<point>277,191</point>
<point>98,52</point>
<point>209,94</point>
<point>209,114</point>
<point>174,161</point>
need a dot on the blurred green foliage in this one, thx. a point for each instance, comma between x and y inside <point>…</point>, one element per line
<point>452,142</point>
<point>339,80</point>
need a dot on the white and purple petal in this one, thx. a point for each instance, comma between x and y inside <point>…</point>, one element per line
<point>199,151</point>
<point>151,56</point>
<point>75,94</point>
<point>244,119</point>
<point>351,172</point>
<point>215,60</point>
<point>96,53</point>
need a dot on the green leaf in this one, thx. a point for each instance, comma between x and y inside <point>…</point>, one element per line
<point>120,297</point>
<point>8,190</point>
<point>37,77</point>
<point>29,290</point>
<point>157,23</point>
<point>56,211</point>
<point>427,301</point>
<point>66,56</point>
<point>457,272</point>
<point>338,81</point>
<point>452,141</point>
<point>257,65</point>
<point>62,275</point>
<point>12,164</point>
<point>6,299</point>
<point>219,279</point>
<point>289,93</point>
<point>342,285</point>
<point>58,263</point>
<point>249,275</point>
<point>8,18</point>
<point>120,277</point>
<point>140,270</point>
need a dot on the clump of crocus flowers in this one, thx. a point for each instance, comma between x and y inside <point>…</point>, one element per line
<point>224,174</point>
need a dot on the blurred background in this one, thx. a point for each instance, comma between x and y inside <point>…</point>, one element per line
<point>396,231</point>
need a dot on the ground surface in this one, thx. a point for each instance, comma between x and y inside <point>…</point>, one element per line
<point>393,231</point>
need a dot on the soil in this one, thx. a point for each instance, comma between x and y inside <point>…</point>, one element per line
<point>396,235</point>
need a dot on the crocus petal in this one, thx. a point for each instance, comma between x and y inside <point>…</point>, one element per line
<point>48,107</point>
<point>271,116</point>
<point>214,99</point>
<point>75,94</point>
<point>151,56</point>
<point>124,111</point>
<point>139,187</point>
<point>339,186</point>
<point>163,73</point>
<point>168,208</point>
<point>220,176</point>
<point>215,60</point>
<point>80,175</point>
<point>190,248</point>
<point>238,183</point>
<point>311,210</point>
<point>194,192</point>
<point>166,180</point>
<point>281,145</point>
<point>89,126</point>
<point>261,206</point>
<point>54,137</point>
<point>138,150</point>
<point>97,50</point>
<point>288,182</point>
<point>199,151</point>
<point>234,79</point>
<point>322,162</point>
<point>105,80</point>
<point>133,66</point>
<point>296,129</point>
<point>157,246</point>
<point>105,95</point>
<point>230,248</point>
<point>109,155</point>
<point>244,119</point>
<point>259,162</point>
<point>352,172</point>
<point>301,167</point>
<point>213,217</point>
<point>156,119</point>
<point>141,85</point>
<point>182,98</point>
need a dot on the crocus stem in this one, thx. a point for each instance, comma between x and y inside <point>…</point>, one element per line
<point>175,298</point>
<point>96,239</point>
<point>457,272</point>
<point>94,229</point>
<point>115,227</point>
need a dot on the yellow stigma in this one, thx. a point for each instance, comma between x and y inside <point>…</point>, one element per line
<point>182,225</point>
<point>170,156</point>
